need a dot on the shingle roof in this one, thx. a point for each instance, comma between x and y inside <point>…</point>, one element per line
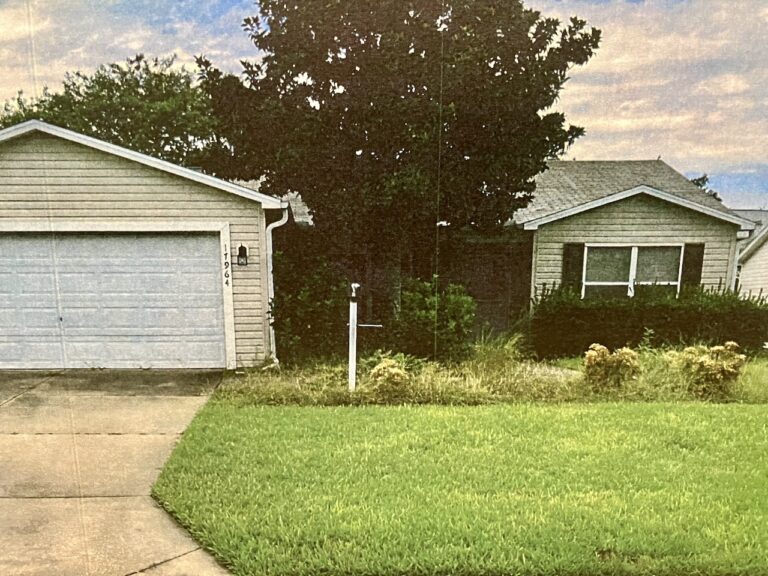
<point>759,217</point>
<point>760,234</point>
<point>568,184</point>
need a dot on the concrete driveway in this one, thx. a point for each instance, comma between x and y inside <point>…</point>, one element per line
<point>78,455</point>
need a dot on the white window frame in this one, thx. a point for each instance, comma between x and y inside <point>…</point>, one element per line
<point>632,279</point>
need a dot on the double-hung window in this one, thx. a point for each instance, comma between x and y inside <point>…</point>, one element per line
<point>611,271</point>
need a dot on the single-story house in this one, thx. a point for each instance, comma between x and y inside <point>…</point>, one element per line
<point>114,259</point>
<point>612,228</point>
<point>604,228</point>
<point>753,255</point>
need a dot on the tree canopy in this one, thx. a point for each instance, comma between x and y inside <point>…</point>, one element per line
<point>703,183</point>
<point>147,105</point>
<point>389,115</point>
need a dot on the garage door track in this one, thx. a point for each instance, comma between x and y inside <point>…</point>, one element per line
<point>79,453</point>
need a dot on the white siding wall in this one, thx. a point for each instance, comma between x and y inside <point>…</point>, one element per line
<point>754,272</point>
<point>46,177</point>
<point>639,219</point>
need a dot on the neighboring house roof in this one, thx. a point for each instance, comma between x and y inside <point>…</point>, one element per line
<point>570,187</point>
<point>299,209</point>
<point>748,247</point>
<point>31,126</point>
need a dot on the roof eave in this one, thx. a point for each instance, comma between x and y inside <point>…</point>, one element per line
<point>753,246</point>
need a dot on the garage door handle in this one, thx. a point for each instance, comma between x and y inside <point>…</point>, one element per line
<point>61,319</point>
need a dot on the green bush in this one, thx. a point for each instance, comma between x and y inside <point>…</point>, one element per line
<point>310,309</point>
<point>562,324</point>
<point>606,370</point>
<point>711,371</point>
<point>416,325</point>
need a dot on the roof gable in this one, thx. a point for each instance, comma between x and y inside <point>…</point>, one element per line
<point>751,246</point>
<point>32,126</point>
<point>647,190</point>
<point>570,187</point>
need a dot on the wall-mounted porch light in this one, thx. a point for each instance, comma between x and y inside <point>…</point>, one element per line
<point>242,256</point>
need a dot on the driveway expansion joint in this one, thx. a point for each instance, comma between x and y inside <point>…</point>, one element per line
<point>26,391</point>
<point>156,564</point>
<point>76,471</point>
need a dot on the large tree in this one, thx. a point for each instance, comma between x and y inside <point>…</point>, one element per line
<point>148,105</point>
<point>389,116</point>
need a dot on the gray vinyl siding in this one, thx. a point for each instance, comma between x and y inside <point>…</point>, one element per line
<point>639,219</point>
<point>754,272</point>
<point>46,177</point>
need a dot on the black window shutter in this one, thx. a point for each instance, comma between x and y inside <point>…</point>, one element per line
<point>693,262</point>
<point>573,265</point>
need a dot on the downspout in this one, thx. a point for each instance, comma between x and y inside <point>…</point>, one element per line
<point>270,279</point>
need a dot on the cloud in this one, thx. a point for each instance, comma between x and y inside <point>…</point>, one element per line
<point>57,36</point>
<point>686,80</point>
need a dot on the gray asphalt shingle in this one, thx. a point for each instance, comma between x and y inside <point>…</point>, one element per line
<point>567,184</point>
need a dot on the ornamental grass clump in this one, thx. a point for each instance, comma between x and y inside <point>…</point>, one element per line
<point>391,381</point>
<point>711,370</point>
<point>605,370</point>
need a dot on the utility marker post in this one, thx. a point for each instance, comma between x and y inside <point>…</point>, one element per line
<point>352,379</point>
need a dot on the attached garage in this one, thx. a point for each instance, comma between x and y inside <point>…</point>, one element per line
<point>112,259</point>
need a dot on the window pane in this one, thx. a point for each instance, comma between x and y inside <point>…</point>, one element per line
<point>605,292</point>
<point>608,264</point>
<point>658,263</point>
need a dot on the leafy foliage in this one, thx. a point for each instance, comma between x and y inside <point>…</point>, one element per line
<point>382,103</point>
<point>434,323</point>
<point>703,183</point>
<point>562,324</point>
<point>147,105</point>
<point>309,311</point>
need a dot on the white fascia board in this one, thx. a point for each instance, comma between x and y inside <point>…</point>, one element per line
<point>753,246</point>
<point>38,126</point>
<point>113,225</point>
<point>743,223</point>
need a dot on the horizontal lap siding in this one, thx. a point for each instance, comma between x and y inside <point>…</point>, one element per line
<point>754,272</point>
<point>46,177</point>
<point>638,220</point>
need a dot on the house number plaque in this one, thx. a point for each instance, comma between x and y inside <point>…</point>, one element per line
<point>227,272</point>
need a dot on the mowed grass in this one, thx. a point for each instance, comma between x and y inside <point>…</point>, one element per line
<point>571,489</point>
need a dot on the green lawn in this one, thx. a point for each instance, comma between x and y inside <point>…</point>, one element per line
<point>607,488</point>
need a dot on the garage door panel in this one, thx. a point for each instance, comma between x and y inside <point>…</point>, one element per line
<point>27,282</point>
<point>103,320</point>
<point>123,301</point>
<point>32,352</point>
<point>149,354</point>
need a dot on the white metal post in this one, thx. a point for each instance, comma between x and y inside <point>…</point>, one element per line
<point>352,378</point>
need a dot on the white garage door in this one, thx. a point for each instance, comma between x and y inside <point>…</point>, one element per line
<point>111,300</point>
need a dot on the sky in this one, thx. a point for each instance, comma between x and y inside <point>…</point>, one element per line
<point>684,80</point>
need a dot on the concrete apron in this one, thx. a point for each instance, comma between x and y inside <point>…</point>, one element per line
<point>79,452</point>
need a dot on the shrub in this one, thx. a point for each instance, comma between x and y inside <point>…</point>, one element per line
<point>562,324</point>
<point>711,371</point>
<point>309,311</point>
<point>391,382</point>
<point>604,370</point>
<point>416,326</point>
